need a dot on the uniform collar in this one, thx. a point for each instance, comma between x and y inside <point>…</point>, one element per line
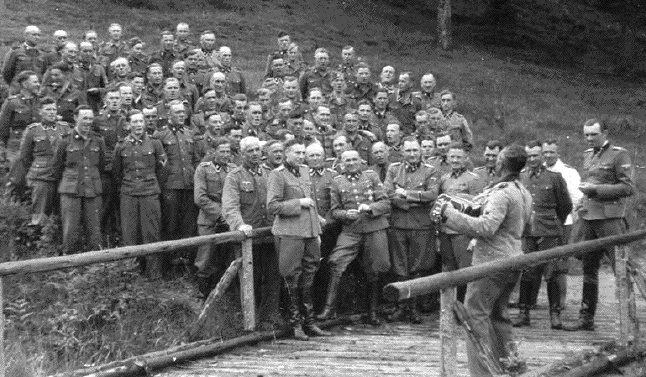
<point>601,149</point>
<point>174,129</point>
<point>254,170</point>
<point>412,167</point>
<point>428,94</point>
<point>536,172</point>
<point>294,169</point>
<point>457,173</point>
<point>353,176</point>
<point>135,140</point>
<point>317,172</point>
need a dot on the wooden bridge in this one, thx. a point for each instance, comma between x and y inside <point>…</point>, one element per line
<point>401,349</point>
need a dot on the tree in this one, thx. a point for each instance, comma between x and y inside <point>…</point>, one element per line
<point>444,27</point>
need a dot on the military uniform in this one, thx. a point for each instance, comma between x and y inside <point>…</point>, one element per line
<point>381,170</point>
<point>441,164</point>
<point>89,76</point>
<point>552,205</point>
<point>453,245</point>
<point>78,163</point>
<point>23,58</point>
<point>200,77</point>
<point>223,104</point>
<point>109,51</point>
<point>235,80</point>
<point>165,58</point>
<point>497,231</point>
<point>601,214</point>
<point>151,95</point>
<point>457,126</point>
<point>360,92</point>
<point>315,78</point>
<point>348,70</point>
<point>404,106</point>
<point>395,153</point>
<point>67,98</point>
<point>339,106</point>
<point>138,63</point>
<point>244,201</point>
<point>189,92</point>
<point>486,175</point>
<point>36,155</point>
<point>184,150</point>
<point>183,47</point>
<point>361,144</point>
<point>209,182</point>
<point>428,99</point>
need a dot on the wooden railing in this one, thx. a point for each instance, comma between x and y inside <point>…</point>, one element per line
<point>110,255</point>
<point>626,274</point>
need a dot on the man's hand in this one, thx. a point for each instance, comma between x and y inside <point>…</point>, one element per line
<point>352,214</point>
<point>369,135</point>
<point>307,202</point>
<point>587,188</point>
<point>364,208</point>
<point>401,192</point>
<point>93,91</point>
<point>246,229</point>
<point>472,245</point>
<point>322,221</point>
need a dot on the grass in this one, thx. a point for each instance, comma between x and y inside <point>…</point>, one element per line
<point>63,320</point>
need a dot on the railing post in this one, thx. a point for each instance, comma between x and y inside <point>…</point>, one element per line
<point>628,324</point>
<point>448,339</point>
<point>3,368</point>
<point>246,286</point>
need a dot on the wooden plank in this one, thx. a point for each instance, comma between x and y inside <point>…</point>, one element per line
<point>416,287</point>
<point>246,287</point>
<point>111,255</point>
<point>448,333</point>
<point>2,326</point>
<point>628,325</point>
<point>214,300</point>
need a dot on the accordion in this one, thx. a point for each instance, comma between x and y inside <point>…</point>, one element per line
<point>463,205</point>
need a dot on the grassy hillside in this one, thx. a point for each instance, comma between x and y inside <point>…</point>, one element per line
<point>535,101</point>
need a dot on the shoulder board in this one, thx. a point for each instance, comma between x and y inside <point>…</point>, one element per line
<point>331,170</point>
<point>523,170</point>
<point>479,168</point>
<point>502,185</point>
<point>472,173</point>
<point>303,166</point>
<point>428,165</point>
<point>338,176</point>
<point>589,150</point>
<point>236,69</point>
<point>13,97</point>
<point>237,169</point>
<point>232,165</point>
<point>395,163</point>
<point>281,167</point>
<point>198,137</point>
<point>205,163</point>
<point>369,171</point>
<point>618,148</point>
<point>418,93</point>
<point>33,125</point>
<point>330,159</point>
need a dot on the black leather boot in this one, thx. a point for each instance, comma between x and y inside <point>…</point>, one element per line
<point>307,310</point>
<point>329,310</point>
<point>554,299</point>
<point>295,319</point>
<point>588,309</point>
<point>373,299</point>
<point>523,317</point>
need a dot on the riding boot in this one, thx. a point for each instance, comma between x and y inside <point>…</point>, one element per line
<point>588,309</point>
<point>307,308</point>
<point>554,300</point>
<point>373,298</point>
<point>295,319</point>
<point>523,316</point>
<point>329,311</point>
<point>524,302</point>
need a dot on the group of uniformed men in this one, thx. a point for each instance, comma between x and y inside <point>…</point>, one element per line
<point>168,146</point>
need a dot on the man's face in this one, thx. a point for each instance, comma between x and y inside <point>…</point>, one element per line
<point>225,57</point>
<point>593,136</point>
<point>283,42</point>
<point>284,109</point>
<point>364,112</point>
<point>32,84</point>
<point>315,158</point>
<point>292,54</point>
<point>404,82</point>
<point>150,117</point>
<point>137,125</point>
<point>70,52</point>
<point>278,67</point>
<point>412,152</point>
<point>457,158</point>
<point>381,100</point>
<point>428,148</point>
<point>491,155</point>
<point>264,100</point>
<point>339,146</point>
<point>387,74</point>
<point>253,153</point>
<point>210,101</point>
<point>393,134</point>
<point>121,68</point>
<point>171,90</point>
<point>32,36</point>
<point>234,138</point>
<point>534,157</point>
<point>84,121</point>
<point>178,70</point>
<point>295,155</point>
<point>182,32</point>
<point>239,108</point>
<point>434,120</point>
<point>308,129</point>
<point>207,42</point>
<point>60,39</point>
<point>321,60</point>
<point>56,76</point>
<point>447,102</point>
<point>87,53</point>
<point>291,89</point>
<point>428,83</point>
<point>113,101</point>
<point>255,115</point>
<point>167,42</point>
<point>316,99</point>
<point>177,114</point>
<point>550,154</point>
<point>48,112</point>
<point>295,125</point>
<point>218,83</point>
<point>442,144</point>
<point>126,94</point>
<point>351,161</point>
<point>363,75</point>
<point>380,153</point>
<point>155,75</point>
<point>214,124</point>
<point>421,122</point>
<point>192,61</point>
<point>347,55</point>
<point>338,84</point>
<point>323,116</point>
<point>137,85</point>
<point>115,32</point>
<point>137,49</point>
<point>222,154</point>
<point>350,123</point>
<point>92,38</point>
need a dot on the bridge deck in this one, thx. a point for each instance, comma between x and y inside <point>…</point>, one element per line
<point>409,350</point>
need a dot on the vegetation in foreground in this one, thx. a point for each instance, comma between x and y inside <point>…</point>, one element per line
<point>62,321</point>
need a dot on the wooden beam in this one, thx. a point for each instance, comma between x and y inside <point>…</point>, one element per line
<point>448,334</point>
<point>111,255</point>
<point>3,365</point>
<point>215,299</point>
<point>246,287</point>
<point>420,286</point>
<point>627,309</point>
